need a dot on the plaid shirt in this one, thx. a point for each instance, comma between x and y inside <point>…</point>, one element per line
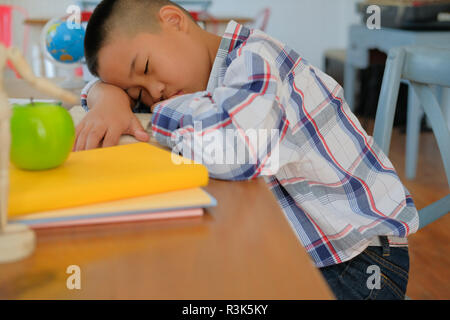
<point>335,186</point>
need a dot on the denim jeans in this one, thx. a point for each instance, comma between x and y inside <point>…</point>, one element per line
<point>371,275</point>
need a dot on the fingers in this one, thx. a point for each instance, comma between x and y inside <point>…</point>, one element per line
<point>111,138</point>
<point>78,129</point>
<point>89,137</point>
<point>137,130</point>
<point>95,137</point>
<point>142,136</point>
<point>96,133</point>
<point>81,138</point>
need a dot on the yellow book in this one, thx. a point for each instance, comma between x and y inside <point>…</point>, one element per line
<point>100,175</point>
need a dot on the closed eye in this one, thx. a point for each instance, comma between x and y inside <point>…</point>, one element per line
<point>146,67</point>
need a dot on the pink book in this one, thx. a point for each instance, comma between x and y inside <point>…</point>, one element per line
<point>187,213</point>
<point>187,203</point>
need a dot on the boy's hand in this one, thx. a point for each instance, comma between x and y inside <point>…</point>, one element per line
<point>110,117</point>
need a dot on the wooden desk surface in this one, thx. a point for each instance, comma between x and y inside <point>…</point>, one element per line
<point>242,249</point>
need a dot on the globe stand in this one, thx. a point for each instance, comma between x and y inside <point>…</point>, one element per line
<point>17,241</point>
<point>72,83</point>
<point>68,78</point>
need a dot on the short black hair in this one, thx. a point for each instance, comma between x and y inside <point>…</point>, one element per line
<point>102,19</point>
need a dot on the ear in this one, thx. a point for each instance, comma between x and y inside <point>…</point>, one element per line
<point>173,17</point>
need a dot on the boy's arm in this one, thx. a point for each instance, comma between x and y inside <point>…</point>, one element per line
<point>236,131</point>
<point>138,108</point>
<point>109,117</point>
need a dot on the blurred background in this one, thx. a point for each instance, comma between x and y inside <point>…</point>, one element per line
<point>309,26</point>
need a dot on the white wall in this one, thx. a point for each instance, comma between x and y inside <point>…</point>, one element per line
<point>308,26</point>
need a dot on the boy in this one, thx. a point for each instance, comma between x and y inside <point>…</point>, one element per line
<point>339,192</point>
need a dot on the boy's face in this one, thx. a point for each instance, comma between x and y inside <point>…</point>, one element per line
<point>157,66</point>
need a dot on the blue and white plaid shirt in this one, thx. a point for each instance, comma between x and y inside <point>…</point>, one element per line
<point>335,186</point>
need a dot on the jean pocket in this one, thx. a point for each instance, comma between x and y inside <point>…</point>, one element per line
<point>394,271</point>
<point>395,265</point>
<point>389,290</point>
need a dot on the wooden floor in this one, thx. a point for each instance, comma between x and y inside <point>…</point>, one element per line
<point>429,276</point>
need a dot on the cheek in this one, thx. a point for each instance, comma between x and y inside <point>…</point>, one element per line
<point>174,72</point>
<point>201,63</point>
<point>146,99</point>
<point>186,69</point>
<point>195,72</point>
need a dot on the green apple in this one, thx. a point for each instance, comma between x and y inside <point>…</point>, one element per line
<point>42,135</point>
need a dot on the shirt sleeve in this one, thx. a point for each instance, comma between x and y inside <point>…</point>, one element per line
<point>84,93</point>
<point>236,130</point>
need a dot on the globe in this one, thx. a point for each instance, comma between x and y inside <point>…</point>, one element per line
<point>64,40</point>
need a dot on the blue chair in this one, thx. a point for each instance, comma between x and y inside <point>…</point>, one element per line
<point>424,68</point>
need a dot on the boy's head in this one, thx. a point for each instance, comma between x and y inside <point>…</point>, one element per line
<point>152,49</point>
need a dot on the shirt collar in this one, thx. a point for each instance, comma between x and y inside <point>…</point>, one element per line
<point>235,34</point>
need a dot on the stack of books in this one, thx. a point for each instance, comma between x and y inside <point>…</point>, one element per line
<point>133,182</point>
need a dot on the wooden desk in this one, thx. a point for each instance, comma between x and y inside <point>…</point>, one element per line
<point>242,249</point>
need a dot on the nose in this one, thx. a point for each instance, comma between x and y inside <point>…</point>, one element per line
<point>155,88</point>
